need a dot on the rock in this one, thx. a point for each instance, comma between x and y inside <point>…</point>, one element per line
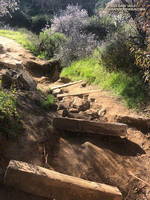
<point>93,114</point>
<point>102,112</point>
<point>73,110</point>
<point>53,185</point>
<point>80,104</point>
<point>83,85</point>
<point>57,91</point>
<point>92,100</point>
<point>65,91</point>
<point>18,79</point>
<point>64,80</point>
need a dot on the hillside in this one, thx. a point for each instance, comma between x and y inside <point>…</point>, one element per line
<point>74,100</point>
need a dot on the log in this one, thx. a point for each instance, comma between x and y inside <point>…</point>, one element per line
<point>65,85</point>
<point>78,94</point>
<point>140,123</point>
<point>86,126</point>
<point>53,185</point>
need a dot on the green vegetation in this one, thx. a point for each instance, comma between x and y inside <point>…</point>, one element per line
<point>130,87</point>
<point>8,104</point>
<point>9,118</point>
<point>50,44</point>
<point>48,102</point>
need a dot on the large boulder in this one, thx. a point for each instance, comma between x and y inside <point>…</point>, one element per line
<point>18,79</point>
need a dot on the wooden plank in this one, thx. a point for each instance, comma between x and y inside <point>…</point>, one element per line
<point>140,123</point>
<point>85,126</point>
<point>65,85</point>
<point>79,93</point>
<point>53,185</point>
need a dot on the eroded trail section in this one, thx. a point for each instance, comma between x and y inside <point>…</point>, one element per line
<point>93,157</point>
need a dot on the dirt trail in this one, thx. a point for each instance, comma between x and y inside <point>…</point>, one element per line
<point>97,158</point>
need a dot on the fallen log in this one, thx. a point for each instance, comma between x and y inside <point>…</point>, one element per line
<point>53,185</point>
<point>78,94</point>
<point>65,85</point>
<point>85,126</point>
<point>140,123</point>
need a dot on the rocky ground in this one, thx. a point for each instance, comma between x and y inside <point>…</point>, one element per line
<point>112,160</point>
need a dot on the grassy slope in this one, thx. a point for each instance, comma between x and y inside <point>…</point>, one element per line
<point>129,87</point>
<point>19,36</point>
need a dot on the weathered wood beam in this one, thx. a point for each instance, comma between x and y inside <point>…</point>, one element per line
<point>53,185</point>
<point>140,123</point>
<point>78,94</point>
<point>85,126</point>
<point>65,85</point>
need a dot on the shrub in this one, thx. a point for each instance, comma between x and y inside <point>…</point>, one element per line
<point>100,26</point>
<point>10,125</point>
<point>7,6</point>
<point>78,44</point>
<point>116,55</point>
<point>39,22</point>
<point>8,104</point>
<point>142,61</point>
<point>48,102</point>
<point>50,43</point>
<point>70,20</point>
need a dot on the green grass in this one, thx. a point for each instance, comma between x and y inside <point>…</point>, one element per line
<point>10,125</point>
<point>131,88</point>
<point>48,101</point>
<point>22,37</point>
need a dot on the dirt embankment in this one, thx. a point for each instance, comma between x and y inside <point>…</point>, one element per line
<point>96,158</point>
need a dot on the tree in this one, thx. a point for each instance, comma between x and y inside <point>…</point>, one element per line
<point>139,14</point>
<point>71,22</point>
<point>7,6</point>
<point>72,19</point>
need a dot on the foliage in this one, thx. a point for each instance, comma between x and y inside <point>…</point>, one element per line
<point>8,104</point>
<point>70,20</point>
<point>39,22</point>
<point>116,55</point>
<point>100,26</point>
<point>7,6</point>
<point>48,101</point>
<point>78,44</point>
<point>51,6</point>
<point>142,61</point>
<point>50,43</point>
<point>130,87</point>
<point>9,117</point>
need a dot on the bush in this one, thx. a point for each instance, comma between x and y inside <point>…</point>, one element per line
<point>100,27</point>
<point>50,43</point>
<point>116,55</point>
<point>70,20</point>
<point>8,104</point>
<point>142,61</point>
<point>48,102</point>
<point>39,22</point>
<point>10,125</point>
<point>78,44</point>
